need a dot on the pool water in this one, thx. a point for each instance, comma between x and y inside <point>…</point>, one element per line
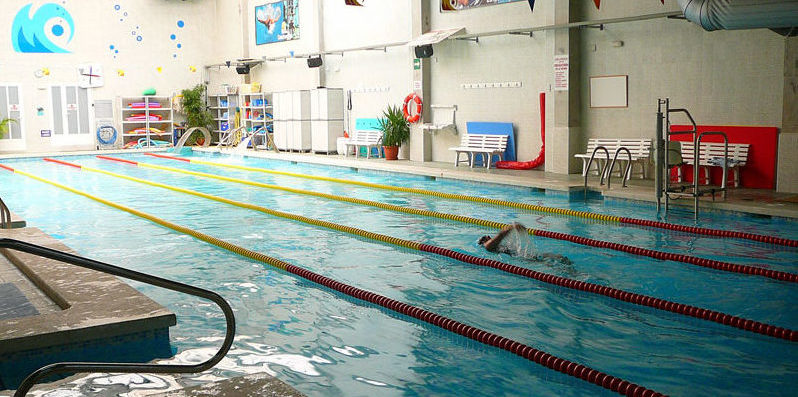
<point>326,344</point>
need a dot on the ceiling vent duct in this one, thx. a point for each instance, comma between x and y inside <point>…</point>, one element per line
<point>741,14</point>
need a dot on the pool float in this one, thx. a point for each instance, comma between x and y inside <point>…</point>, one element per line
<point>537,162</point>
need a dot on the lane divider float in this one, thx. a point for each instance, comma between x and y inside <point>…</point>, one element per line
<point>540,357</point>
<point>693,260</point>
<point>511,204</point>
<point>614,293</point>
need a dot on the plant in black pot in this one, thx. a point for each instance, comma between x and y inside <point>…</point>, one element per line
<point>197,115</point>
<point>395,131</point>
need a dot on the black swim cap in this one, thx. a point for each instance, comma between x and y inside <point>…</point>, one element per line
<point>483,239</point>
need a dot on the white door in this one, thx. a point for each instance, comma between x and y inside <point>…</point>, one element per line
<point>71,115</point>
<point>11,107</point>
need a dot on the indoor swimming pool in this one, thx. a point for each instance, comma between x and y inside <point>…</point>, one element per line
<point>325,343</point>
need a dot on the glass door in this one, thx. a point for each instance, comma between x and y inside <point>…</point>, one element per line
<point>11,107</point>
<point>71,115</point>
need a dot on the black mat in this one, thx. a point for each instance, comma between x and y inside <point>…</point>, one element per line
<point>13,303</point>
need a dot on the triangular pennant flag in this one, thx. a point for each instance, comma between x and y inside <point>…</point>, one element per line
<point>532,5</point>
<point>598,3</point>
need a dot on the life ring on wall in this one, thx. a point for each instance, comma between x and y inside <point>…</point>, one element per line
<point>406,108</point>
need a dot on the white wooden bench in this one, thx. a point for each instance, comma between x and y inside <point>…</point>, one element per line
<point>639,148</point>
<point>480,144</point>
<point>738,156</point>
<point>364,138</point>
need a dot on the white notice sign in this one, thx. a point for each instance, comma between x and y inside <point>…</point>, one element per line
<point>561,73</point>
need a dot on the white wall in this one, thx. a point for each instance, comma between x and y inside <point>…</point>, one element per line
<point>97,27</point>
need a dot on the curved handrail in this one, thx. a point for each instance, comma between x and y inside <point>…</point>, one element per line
<point>228,139</point>
<point>187,134</point>
<point>689,117</point>
<point>75,367</point>
<point>587,169</point>
<point>5,216</point>
<point>612,166</point>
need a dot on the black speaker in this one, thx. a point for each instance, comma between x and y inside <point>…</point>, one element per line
<point>314,62</point>
<point>424,51</point>
<point>242,69</point>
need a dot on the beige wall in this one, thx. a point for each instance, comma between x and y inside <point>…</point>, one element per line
<point>97,26</point>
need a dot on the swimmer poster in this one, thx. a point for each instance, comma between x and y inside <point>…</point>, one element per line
<point>458,5</point>
<point>277,21</point>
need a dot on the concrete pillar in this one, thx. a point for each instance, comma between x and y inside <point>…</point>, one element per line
<point>787,168</point>
<point>420,73</point>
<point>562,107</point>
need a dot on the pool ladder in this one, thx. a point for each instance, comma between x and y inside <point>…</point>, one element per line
<point>609,166</point>
<point>5,216</point>
<point>75,367</point>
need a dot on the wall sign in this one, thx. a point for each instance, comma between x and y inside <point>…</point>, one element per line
<point>46,133</point>
<point>277,21</point>
<point>561,73</point>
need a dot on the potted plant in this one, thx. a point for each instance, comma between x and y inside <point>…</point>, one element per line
<point>395,131</point>
<point>4,126</point>
<point>197,114</point>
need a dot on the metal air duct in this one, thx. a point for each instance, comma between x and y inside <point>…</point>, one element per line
<point>741,14</point>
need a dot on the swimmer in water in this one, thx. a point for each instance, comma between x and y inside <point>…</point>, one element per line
<point>493,244</point>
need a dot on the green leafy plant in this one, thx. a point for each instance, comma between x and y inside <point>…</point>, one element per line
<point>395,129</point>
<point>4,126</point>
<point>197,115</point>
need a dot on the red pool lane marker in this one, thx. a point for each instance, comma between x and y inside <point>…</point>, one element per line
<point>538,356</point>
<point>163,156</point>
<point>119,160</point>
<point>668,256</point>
<point>630,297</point>
<point>654,224</point>
<point>711,232</point>
<point>693,260</point>
<point>62,162</point>
<point>5,167</point>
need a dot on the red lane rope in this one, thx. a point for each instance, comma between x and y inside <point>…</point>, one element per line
<point>669,256</point>
<point>118,159</point>
<point>167,157</point>
<point>654,224</point>
<point>62,162</point>
<point>5,167</point>
<point>693,260</point>
<point>580,371</point>
<point>625,296</point>
<point>711,232</point>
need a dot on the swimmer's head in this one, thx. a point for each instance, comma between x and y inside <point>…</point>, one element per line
<point>484,239</point>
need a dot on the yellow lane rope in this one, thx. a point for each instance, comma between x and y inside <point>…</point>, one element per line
<point>181,229</point>
<point>390,207</point>
<point>452,196</point>
<point>329,225</point>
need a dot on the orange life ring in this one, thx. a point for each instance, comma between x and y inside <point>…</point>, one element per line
<point>406,110</point>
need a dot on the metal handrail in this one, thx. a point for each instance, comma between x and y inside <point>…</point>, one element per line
<point>75,367</point>
<point>612,166</point>
<point>697,164</point>
<point>229,135</point>
<point>5,216</point>
<point>601,173</point>
<point>689,116</point>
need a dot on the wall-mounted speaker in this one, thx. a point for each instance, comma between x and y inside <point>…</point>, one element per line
<point>314,62</point>
<point>424,51</point>
<point>242,69</point>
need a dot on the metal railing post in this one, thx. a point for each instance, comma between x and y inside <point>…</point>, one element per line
<point>76,367</point>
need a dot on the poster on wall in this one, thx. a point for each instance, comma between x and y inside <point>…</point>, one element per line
<point>277,21</point>
<point>457,5</point>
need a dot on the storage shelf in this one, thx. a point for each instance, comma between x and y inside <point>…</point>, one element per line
<point>163,110</point>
